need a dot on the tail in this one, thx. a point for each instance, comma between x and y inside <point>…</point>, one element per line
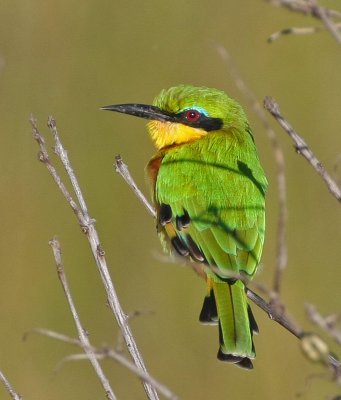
<point>226,304</point>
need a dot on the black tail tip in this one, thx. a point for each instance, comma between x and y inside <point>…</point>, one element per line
<point>242,362</point>
<point>209,313</point>
<point>252,320</point>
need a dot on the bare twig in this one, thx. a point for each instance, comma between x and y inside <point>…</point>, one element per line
<point>294,31</point>
<point>122,169</point>
<point>62,154</point>
<point>301,6</point>
<point>44,158</point>
<point>336,168</point>
<point>103,353</point>
<point>14,395</point>
<point>327,323</point>
<point>87,225</point>
<point>280,318</point>
<point>324,16</point>
<point>308,30</point>
<point>302,148</point>
<point>306,7</point>
<point>52,335</point>
<point>82,334</point>
<point>282,251</point>
<point>312,8</point>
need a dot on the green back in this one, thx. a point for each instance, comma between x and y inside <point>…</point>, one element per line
<point>219,182</point>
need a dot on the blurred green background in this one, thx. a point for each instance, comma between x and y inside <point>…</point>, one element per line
<point>67,59</point>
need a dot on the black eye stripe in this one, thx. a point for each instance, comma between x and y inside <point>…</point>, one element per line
<point>210,124</point>
<point>203,122</point>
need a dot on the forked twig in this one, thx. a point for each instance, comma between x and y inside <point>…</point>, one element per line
<point>87,225</point>
<point>312,8</point>
<point>101,353</point>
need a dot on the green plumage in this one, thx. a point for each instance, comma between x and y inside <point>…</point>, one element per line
<point>219,182</point>
<point>208,189</point>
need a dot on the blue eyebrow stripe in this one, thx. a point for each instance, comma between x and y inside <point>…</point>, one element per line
<point>199,109</point>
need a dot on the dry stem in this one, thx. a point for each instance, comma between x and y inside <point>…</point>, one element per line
<point>302,148</point>
<point>103,353</point>
<point>82,334</point>
<point>312,8</point>
<point>14,395</point>
<point>87,225</point>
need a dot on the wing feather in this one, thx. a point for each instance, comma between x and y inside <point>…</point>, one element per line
<point>222,198</point>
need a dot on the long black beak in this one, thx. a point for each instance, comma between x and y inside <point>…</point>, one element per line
<point>141,110</point>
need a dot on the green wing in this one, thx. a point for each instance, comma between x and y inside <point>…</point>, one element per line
<point>210,197</point>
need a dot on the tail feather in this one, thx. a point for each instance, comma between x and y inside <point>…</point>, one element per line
<point>209,313</point>
<point>252,320</point>
<point>228,304</point>
<point>242,362</point>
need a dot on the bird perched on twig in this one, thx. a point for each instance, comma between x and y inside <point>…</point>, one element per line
<point>208,191</point>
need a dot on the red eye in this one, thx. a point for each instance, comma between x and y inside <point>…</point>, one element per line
<point>192,115</point>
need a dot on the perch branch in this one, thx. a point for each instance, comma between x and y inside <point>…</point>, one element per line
<point>302,148</point>
<point>87,225</point>
<point>82,334</point>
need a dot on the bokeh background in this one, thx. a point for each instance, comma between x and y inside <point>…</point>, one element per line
<point>67,59</point>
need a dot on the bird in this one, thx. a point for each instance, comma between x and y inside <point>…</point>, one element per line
<point>208,190</point>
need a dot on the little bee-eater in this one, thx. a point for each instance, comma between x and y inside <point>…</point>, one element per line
<point>208,192</point>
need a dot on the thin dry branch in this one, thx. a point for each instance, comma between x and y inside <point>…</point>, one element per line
<point>13,394</point>
<point>307,7</point>
<point>324,15</point>
<point>87,225</point>
<point>326,323</point>
<point>312,8</point>
<point>307,30</point>
<point>101,353</point>
<point>302,148</point>
<point>123,170</point>
<point>282,251</point>
<point>52,335</point>
<point>271,309</point>
<point>82,334</point>
<point>300,6</point>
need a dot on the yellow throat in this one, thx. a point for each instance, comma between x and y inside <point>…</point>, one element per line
<point>166,134</point>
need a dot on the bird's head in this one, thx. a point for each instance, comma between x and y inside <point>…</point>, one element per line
<point>186,113</point>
